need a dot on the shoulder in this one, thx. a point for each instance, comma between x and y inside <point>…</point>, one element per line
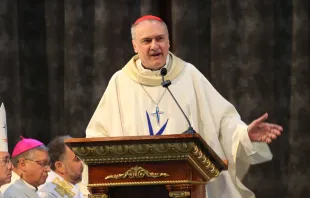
<point>116,76</point>
<point>119,75</point>
<point>13,190</point>
<point>57,188</point>
<point>190,71</point>
<point>189,67</point>
<point>13,187</point>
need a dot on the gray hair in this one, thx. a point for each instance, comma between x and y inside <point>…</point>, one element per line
<point>133,28</point>
<point>28,154</point>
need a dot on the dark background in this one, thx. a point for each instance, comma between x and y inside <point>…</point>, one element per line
<point>58,56</point>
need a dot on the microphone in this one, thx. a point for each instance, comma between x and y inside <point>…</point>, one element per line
<point>166,84</point>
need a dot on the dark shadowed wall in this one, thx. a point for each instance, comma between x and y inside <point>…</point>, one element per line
<point>58,56</point>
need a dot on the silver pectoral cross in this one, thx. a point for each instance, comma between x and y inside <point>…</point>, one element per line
<point>157,114</point>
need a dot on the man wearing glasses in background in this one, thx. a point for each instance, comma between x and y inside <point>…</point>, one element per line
<point>5,162</point>
<point>30,157</point>
<point>66,171</point>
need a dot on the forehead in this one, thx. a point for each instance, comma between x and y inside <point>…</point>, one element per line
<point>69,152</point>
<point>40,154</point>
<point>4,154</point>
<point>149,29</point>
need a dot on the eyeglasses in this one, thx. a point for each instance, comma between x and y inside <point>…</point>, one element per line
<point>43,164</point>
<point>5,160</point>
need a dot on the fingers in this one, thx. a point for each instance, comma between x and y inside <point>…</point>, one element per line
<point>272,136</point>
<point>276,132</point>
<point>266,139</point>
<point>275,129</point>
<point>275,126</point>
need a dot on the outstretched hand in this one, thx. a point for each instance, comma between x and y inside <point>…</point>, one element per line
<point>261,131</point>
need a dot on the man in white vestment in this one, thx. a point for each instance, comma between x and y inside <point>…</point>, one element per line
<point>31,158</point>
<point>135,103</point>
<point>67,168</point>
<point>5,161</point>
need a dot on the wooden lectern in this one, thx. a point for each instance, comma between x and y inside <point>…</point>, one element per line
<point>163,166</point>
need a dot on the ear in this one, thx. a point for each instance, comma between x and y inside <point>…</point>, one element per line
<point>59,167</point>
<point>134,45</point>
<point>168,43</point>
<point>22,165</point>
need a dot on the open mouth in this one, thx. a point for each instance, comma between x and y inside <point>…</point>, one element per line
<point>155,54</point>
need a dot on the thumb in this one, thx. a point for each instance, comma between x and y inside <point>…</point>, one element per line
<point>257,121</point>
<point>261,119</point>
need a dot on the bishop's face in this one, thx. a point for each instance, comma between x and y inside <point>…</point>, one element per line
<point>151,42</point>
<point>35,169</point>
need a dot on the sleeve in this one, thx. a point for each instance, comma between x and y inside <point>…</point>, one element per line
<point>226,132</point>
<point>252,152</point>
<point>237,145</point>
<point>231,130</point>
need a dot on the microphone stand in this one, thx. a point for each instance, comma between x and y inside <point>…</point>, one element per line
<point>166,84</point>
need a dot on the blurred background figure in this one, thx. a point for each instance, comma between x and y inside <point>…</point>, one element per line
<point>5,161</point>
<point>66,171</point>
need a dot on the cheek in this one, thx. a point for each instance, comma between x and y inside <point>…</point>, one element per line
<point>2,171</point>
<point>78,168</point>
<point>8,170</point>
<point>30,169</point>
<point>69,168</point>
<point>39,173</point>
<point>35,173</point>
<point>165,46</point>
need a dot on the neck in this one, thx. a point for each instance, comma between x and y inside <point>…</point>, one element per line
<point>64,177</point>
<point>150,68</point>
<point>30,184</point>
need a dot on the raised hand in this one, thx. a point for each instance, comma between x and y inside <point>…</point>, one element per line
<point>261,131</point>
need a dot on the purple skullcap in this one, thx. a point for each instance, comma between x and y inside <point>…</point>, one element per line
<point>25,144</point>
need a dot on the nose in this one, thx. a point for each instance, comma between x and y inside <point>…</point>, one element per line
<point>48,168</point>
<point>10,165</point>
<point>154,44</point>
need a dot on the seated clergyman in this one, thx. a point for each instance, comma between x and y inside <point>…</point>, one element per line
<point>66,172</point>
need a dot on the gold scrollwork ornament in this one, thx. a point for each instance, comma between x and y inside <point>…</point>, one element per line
<point>99,196</point>
<point>136,172</point>
<point>179,194</point>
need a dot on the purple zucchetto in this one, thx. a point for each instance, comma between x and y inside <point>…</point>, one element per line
<point>25,144</point>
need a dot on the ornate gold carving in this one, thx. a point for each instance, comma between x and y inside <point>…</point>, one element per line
<point>136,172</point>
<point>91,153</point>
<point>179,194</point>
<point>145,183</point>
<point>99,196</point>
<point>106,154</point>
<point>207,164</point>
